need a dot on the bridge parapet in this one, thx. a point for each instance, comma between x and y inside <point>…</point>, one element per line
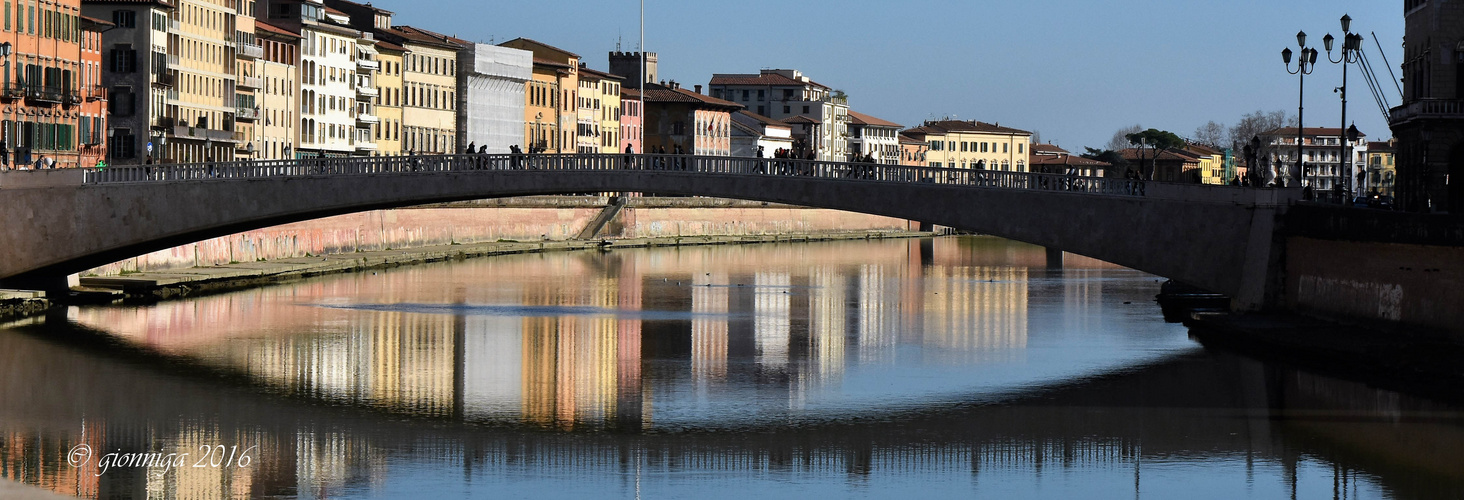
<point>757,167</point>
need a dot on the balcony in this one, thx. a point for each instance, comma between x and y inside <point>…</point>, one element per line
<point>251,82</point>
<point>44,94</point>
<point>367,65</point>
<point>366,92</point>
<point>163,79</point>
<point>96,93</point>
<point>71,97</point>
<point>243,113</point>
<point>174,26</point>
<point>250,50</point>
<point>12,91</point>
<point>201,134</point>
<point>173,62</point>
<point>1427,109</point>
<point>365,119</point>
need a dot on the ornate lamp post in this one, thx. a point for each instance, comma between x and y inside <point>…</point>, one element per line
<point>1304,65</point>
<point>1351,51</point>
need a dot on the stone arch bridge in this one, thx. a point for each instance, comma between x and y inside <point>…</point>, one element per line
<point>1221,238</point>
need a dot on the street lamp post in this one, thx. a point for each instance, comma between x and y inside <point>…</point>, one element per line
<point>1304,65</point>
<point>1351,51</point>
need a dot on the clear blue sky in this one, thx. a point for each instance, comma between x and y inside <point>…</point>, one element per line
<point>1073,70</point>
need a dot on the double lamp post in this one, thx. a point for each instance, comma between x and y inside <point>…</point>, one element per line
<point>1305,64</point>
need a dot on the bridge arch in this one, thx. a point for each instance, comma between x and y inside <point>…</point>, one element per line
<point>1217,237</point>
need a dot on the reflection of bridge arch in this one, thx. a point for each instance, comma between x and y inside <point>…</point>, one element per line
<point>1198,234</point>
<point>1202,408</point>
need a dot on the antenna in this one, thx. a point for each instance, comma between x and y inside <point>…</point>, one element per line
<point>618,38</point>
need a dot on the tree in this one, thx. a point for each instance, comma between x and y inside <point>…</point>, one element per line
<point>1120,138</point>
<point>1257,123</point>
<point>1111,157</point>
<point>1158,141</point>
<point>1212,134</point>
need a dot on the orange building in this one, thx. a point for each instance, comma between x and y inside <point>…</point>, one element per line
<point>48,79</point>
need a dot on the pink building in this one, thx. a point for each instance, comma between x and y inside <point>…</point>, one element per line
<point>630,120</point>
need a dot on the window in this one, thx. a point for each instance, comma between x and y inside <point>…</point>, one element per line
<point>744,95</point>
<point>7,15</point>
<point>760,95</point>
<point>805,110</point>
<point>124,18</point>
<point>123,59</point>
<point>1004,147</point>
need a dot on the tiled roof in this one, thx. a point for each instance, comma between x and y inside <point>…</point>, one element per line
<point>1066,159</point>
<point>417,35</point>
<point>1324,131</point>
<point>270,28</point>
<point>1049,149</point>
<point>801,119</point>
<point>96,22</point>
<point>762,119</point>
<point>380,45</point>
<point>945,126</point>
<point>1379,146</point>
<point>1203,149</point>
<point>545,45</point>
<point>601,74</point>
<point>659,93</point>
<point>550,62</point>
<point>858,118</point>
<point>762,79</point>
<point>905,139</point>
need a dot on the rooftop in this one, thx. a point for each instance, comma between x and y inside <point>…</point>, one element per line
<point>765,78</point>
<point>1312,131</point>
<point>661,93</point>
<point>858,118</point>
<point>948,126</point>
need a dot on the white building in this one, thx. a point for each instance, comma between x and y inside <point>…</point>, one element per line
<point>751,131</point>
<point>327,84</point>
<point>491,90</point>
<point>786,93</point>
<point>874,137</point>
<point>1323,158</point>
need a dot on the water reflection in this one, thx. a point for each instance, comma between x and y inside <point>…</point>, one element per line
<point>868,369</point>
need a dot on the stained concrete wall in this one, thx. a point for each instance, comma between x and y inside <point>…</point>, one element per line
<point>477,223</point>
<point>1387,282</point>
<point>1376,266</point>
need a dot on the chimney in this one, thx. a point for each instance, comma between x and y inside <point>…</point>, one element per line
<point>698,89</point>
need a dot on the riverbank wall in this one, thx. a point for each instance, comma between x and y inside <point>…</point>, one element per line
<point>546,218</point>
<point>1398,272</point>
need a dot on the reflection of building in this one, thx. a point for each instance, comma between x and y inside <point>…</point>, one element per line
<point>709,305</point>
<point>772,318</point>
<point>970,309</point>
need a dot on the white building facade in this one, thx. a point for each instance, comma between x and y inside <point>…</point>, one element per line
<point>491,82</point>
<point>873,137</point>
<point>1323,158</point>
<point>786,93</point>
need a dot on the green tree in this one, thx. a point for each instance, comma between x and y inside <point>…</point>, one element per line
<point>1158,141</point>
<point>1111,157</point>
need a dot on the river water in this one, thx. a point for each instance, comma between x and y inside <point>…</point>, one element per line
<point>953,367</point>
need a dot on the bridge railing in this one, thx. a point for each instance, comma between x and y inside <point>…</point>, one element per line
<point>771,167</point>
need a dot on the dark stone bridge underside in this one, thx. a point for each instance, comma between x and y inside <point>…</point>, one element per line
<point>1218,238</point>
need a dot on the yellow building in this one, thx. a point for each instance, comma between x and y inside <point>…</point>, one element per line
<point>389,100</point>
<point>551,114</point>
<point>599,111</point>
<point>249,78</point>
<point>429,89</point>
<point>973,144</point>
<point>279,103</point>
<point>1382,175</point>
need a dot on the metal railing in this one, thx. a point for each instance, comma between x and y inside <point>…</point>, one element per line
<point>712,165</point>
<point>1427,108</point>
